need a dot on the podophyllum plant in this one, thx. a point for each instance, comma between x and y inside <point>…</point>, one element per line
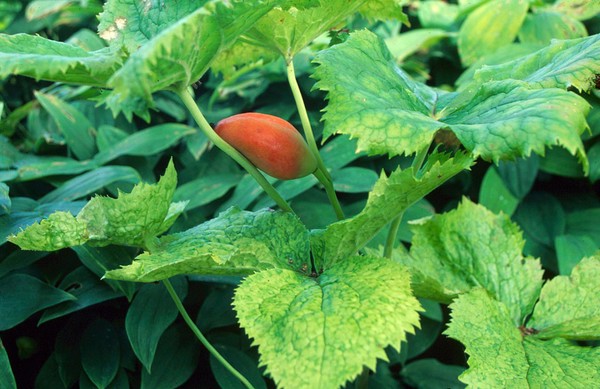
<point>319,304</point>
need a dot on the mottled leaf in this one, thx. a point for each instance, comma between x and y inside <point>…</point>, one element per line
<point>59,230</point>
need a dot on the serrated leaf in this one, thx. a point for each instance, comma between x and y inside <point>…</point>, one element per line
<point>509,119</point>
<point>59,230</point>
<point>132,218</point>
<point>390,197</point>
<point>562,64</point>
<point>43,59</point>
<point>176,57</point>
<point>399,121</point>
<point>569,306</point>
<point>320,332</point>
<point>132,24</point>
<point>234,243</point>
<point>496,120</point>
<point>469,247</point>
<point>500,356</point>
<point>490,26</point>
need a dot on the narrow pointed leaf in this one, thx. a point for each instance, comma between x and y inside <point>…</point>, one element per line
<point>43,59</point>
<point>6,374</point>
<point>501,356</point>
<point>562,64</point>
<point>390,197</point>
<point>234,243</point>
<point>320,332</point>
<point>569,306</point>
<point>469,247</point>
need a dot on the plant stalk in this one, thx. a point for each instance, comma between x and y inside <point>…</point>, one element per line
<point>395,224</point>
<point>200,336</point>
<point>205,127</point>
<point>328,184</point>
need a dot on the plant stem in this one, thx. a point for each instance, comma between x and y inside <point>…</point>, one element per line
<point>203,340</point>
<point>328,184</point>
<point>205,127</point>
<point>395,224</point>
<point>308,132</point>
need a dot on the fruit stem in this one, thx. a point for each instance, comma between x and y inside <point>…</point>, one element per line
<point>395,224</point>
<point>200,336</point>
<point>328,184</point>
<point>205,127</point>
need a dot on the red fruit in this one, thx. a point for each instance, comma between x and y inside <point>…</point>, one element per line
<point>272,144</point>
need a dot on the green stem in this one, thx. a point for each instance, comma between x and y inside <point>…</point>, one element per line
<point>189,102</point>
<point>328,184</point>
<point>395,224</point>
<point>308,132</point>
<point>201,337</point>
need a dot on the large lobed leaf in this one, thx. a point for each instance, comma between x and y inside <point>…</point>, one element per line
<point>131,219</point>
<point>500,355</point>
<point>43,59</point>
<point>389,198</point>
<point>470,247</point>
<point>320,332</point>
<point>496,120</point>
<point>569,306</point>
<point>234,243</point>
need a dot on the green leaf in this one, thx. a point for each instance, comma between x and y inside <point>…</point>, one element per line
<point>88,290</point>
<point>43,59</point>
<point>205,189</point>
<point>146,142</point>
<point>397,122</point>
<point>390,197</point>
<point>404,44</point>
<point>509,119</point>
<point>234,243</point>
<point>580,10</point>
<point>594,157</point>
<point>494,194</point>
<point>5,202</point>
<point>33,167</point>
<point>542,217</point>
<point>492,25</point>
<point>570,249</point>
<point>542,27</point>
<point>100,355</point>
<point>519,175</point>
<point>73,125</point>
<point>132,218</point>
<point>242,362</point>
<point>384,10</point>
<point>320,332</point>
<point>468,247</point>
<point>584,222</point>
<point>175,58</point>
<point>216,310</point>
<point>149,315</point>
<point>430,373</point>
<point>91,182</point>
<point>131,24</point>
<point>500,356</point>
<point>24,295</point>
<point>175,360</point>
<point>59,230</point>
<point>569,306</point>
<point>562,64</point>
<point>6,374</point>
<point>437,14</point>
<point>354,179</point>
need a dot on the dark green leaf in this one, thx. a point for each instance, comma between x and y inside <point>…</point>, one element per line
<point>542,27</point>
<point>149,315</point>
<point>494,194</point>
<point>87,289</point>
<point>24,295</point>
<point>519,175</point>
<point>584,222</point>
<point>48,377</point>
<point>354,179</point>
<point>175,360</point>
<point>217,311</point>
<point>242,362</point>
<point>5,202</point>
<point>542,217</point>
<point>100,352</point>
<point>205,189</point>
<point>430,373</point>
<point>570,249</point>
<point>6,375</point>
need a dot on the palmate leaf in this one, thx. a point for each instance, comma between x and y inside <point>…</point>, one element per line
<point>131,219</point>
<point>469,247</point>
<point>501,356</point>
<point>390,197</point>
<point>569,306</point>
<point>43,59</point>
<point>320,332</point>
<point>234,243</point>
<point>497,121</point>
<point>562,64</point>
